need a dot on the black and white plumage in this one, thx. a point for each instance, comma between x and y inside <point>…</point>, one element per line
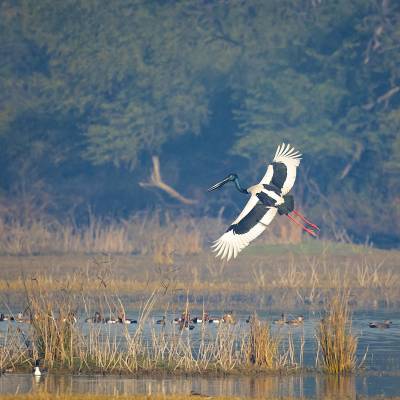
<point>267,198</point>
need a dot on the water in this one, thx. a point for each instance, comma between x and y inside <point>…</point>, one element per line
<point>314,385</point>
<point>379,377</point>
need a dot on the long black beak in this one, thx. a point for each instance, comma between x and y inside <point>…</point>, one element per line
<point>219,184</point>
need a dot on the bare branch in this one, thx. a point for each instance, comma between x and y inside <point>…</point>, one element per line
<point>385,97</point>
<point>157,182</point>
<point>356,157</point>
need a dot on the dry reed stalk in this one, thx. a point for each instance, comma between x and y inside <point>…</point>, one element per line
<point>224,352</point>
<point>292,277</point>
<point>53,332</point>
<point>43,395</point>
<point>164,248</point>
<point>14,351</point>
<point>138,234</point>
<point>262,347</point>
<point>336,344</point>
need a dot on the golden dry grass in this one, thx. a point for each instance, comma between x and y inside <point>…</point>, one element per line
<point>51,396</point>
<point>100,253</point>
<point>336,342</point>
<point>142,235</point>
<point>155,234</point>
<point>262,347</point>
<point>61,344</point>
<point>291,274</point>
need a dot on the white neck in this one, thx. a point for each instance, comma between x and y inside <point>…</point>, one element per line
<point>37,371</point>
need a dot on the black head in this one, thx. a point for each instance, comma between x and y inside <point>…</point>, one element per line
<point>229,178</point>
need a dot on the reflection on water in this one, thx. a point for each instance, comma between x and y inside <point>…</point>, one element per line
<point>316,385</point>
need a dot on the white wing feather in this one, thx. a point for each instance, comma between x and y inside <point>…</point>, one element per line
<point>231,244</point>
<point>247,208</point>
<point>291,158</point>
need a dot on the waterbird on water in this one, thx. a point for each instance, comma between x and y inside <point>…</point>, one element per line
<point>161,321</point>
<point>296,321</point>
<point>381,325</point>
<point>36,371</point>
<point>280,321</point>
<point>267,198</point>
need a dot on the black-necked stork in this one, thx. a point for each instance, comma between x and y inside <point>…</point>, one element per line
<point>267,198</point>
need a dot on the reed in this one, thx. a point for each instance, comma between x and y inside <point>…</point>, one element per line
<point>52,325</point>
<point>262,346</point>
<point>139,234</point>
<point>289,280</point>
<point>36,232</point>
<point>336,344</point>
<point>14,350</point>
<point>61,342</point>
<point>50,396</point>
<point>267,351</point>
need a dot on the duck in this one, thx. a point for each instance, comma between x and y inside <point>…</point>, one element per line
<point>126,321</point>
<point>296,321</point>
<point>200,320</point>
<point>20,317</point>
<point>228,318</point>
<point>161,321</point>
<point>97,318</point>
<point>70,318</point>
<point>186,326</point>
<point>381,325</point>
<point>36,371</point>
<point>281,321</point>
<point>213,320</point>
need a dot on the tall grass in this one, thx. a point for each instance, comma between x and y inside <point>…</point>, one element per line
<point>268,351</point>
<point>149,234</point>
<point>262,346</point>
<point>13,350</point>
<point>52,322</point>
<point>75,396</point>
<point>337,344</point>
<point>157,234</point>
<point>54,337</point>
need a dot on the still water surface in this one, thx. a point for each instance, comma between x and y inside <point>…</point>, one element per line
<point>314,385</point>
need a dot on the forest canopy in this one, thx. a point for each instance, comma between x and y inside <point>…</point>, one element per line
<point>91,90</point>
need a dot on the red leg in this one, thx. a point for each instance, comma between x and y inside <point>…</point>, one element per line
<point>312,233</point>
<point>305,220</point>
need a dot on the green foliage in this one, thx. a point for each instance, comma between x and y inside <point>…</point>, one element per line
<point>104,82</point>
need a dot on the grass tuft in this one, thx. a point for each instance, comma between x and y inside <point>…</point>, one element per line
<point>337,344</point>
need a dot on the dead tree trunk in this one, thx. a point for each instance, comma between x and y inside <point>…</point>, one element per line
<point>157,182</point>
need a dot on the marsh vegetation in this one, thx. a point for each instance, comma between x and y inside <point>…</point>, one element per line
<point>133,258</point>
<point>56,333</point>
<point>57,288</point>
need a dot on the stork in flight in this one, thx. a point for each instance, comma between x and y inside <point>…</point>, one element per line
<point>268,197</point>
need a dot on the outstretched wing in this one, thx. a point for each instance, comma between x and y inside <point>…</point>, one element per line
<point>244,229</point>
<point>282,172</point>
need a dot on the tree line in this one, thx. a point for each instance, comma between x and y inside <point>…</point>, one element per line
<point>91,91</point>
